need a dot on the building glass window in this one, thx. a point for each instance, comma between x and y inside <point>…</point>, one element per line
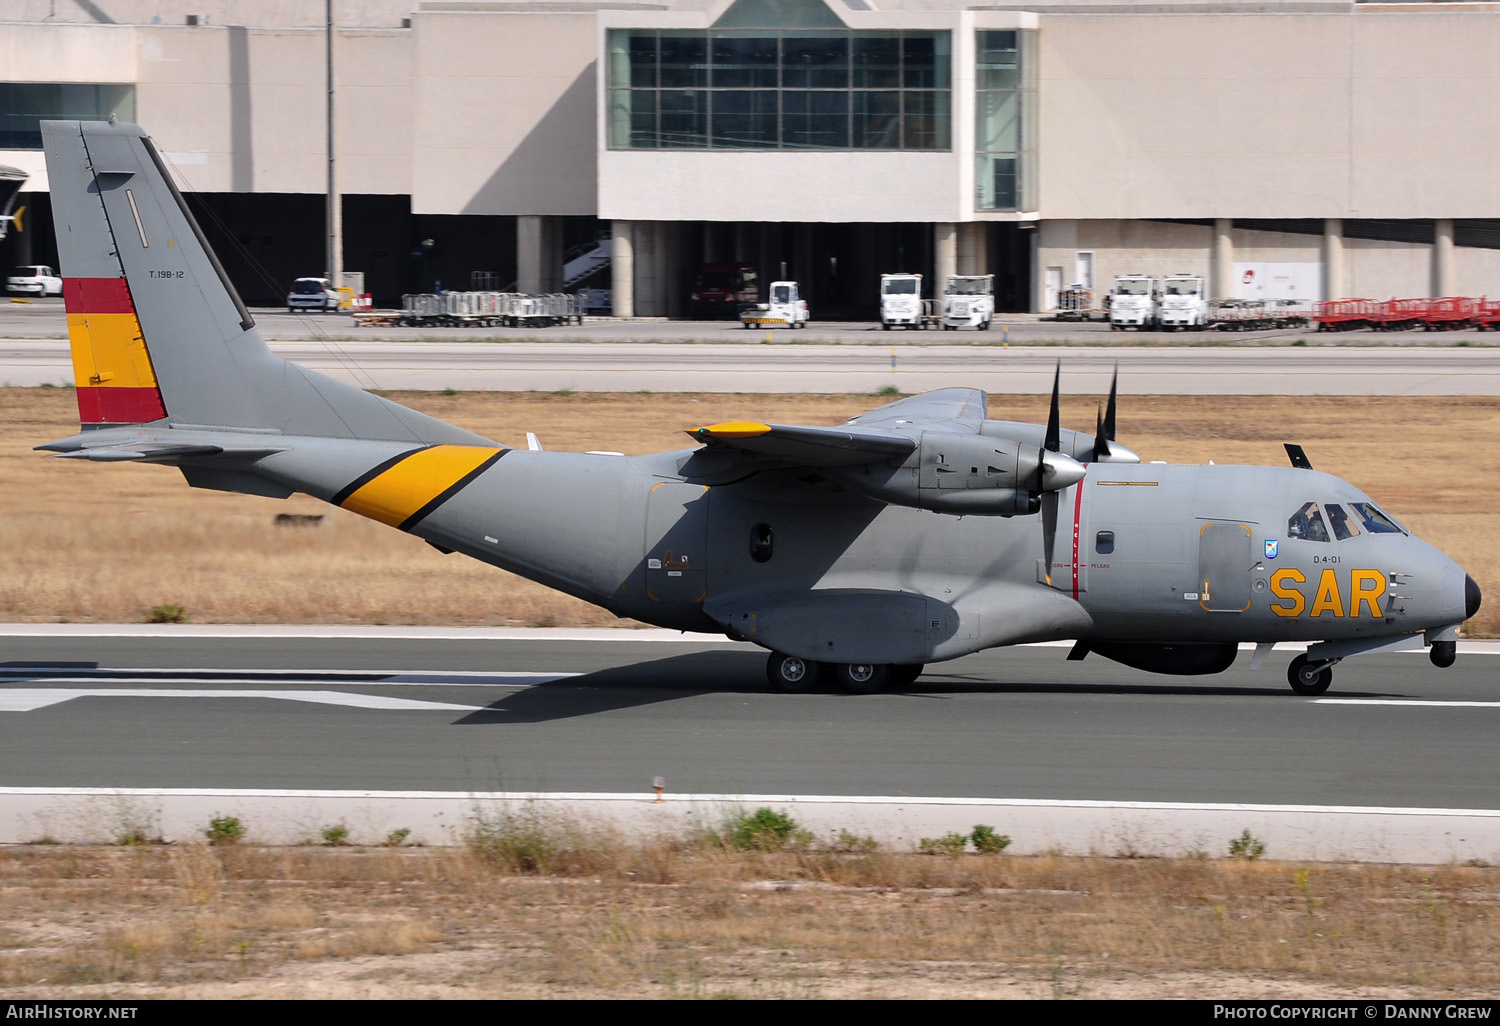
<point>1005,120</point>
<point>794,88</point>
<point>25,105</point>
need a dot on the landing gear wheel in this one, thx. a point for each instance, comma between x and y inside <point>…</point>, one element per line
<point>862,678</point>
<point>1307,678</point>
<point>903,674</point>
<point>790,675</point>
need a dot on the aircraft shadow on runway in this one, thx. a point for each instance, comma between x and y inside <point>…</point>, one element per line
<point>719,673</point>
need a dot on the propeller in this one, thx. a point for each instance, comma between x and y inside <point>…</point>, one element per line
<point>1106,449</point>
<point>1051,444</point>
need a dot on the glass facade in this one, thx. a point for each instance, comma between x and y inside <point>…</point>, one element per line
<point>1005,120</point>
<point>24,105</point>
<point>786,89</point>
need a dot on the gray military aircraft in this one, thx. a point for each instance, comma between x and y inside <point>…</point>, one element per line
<point>917,532</point>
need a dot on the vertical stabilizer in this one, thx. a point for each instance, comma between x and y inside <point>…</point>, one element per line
<point>157,329</point>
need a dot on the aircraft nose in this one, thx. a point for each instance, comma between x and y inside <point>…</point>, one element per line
<point>1471,597</point>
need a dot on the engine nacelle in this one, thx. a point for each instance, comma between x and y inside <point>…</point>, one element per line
<point>973,474</point>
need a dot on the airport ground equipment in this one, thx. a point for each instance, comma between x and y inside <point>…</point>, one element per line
<point>1184,303</point>
<point>1133,302</point>
<point>968,301</point>
<point>901,303</point>
<point>490,309</point>
<point>786,309</point>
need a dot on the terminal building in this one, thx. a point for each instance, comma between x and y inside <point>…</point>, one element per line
<point>1280,148</point>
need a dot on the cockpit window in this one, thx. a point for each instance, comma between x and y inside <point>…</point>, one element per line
<point>1307,524</point>
<point>1338,519</point>
<point>1374,520</point>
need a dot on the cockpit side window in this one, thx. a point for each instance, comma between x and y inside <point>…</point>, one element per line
<point>1374,520</point>
<point>1307,524</point>
<point>1338,519</point>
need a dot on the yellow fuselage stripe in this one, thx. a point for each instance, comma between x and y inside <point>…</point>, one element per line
<point>109,351</point>
<point>401,491</point>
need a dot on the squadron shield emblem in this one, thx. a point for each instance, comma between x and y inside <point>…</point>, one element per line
<point>1271,547</point>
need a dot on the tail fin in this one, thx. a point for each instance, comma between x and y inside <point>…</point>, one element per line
<point>157,330</point>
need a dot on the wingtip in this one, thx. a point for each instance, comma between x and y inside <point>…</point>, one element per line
<point>731,429</point>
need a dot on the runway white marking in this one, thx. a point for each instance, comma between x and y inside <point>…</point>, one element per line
<point>1406,701</point>
<point>29,699</point>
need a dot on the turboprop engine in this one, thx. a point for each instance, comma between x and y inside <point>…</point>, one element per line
<point>953,473</point>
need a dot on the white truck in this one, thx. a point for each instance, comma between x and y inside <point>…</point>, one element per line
<point>786,309</point>
<point>1132,302</point>
<point>1184,302</point>
<point>968,301</point>
<point>901,301</point>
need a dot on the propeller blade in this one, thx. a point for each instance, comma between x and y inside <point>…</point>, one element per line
<point>1101,440</point>
<point>1297,456</point>
<point>1054,416</point>
<point>1109,411</point>
<point>1049,529</point>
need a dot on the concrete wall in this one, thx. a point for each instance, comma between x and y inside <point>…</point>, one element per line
<point>1372,115</point>
<point>503,118</point>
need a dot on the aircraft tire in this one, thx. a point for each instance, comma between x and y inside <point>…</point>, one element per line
<point>790,675</point>
<point>1307,679</point>
<point>903,674</point>
<point>863,678</point>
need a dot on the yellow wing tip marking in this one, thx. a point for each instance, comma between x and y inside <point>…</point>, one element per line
<point>731,429</point>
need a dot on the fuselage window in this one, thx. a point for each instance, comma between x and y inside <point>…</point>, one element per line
<point>1104,542</point>
<point>1307,524</point>
<point>1375,521</point>
<point>1343,526</point>
<point>762,541</point>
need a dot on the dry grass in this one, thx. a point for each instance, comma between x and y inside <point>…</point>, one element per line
<point>667,917</point>
<point>82,542</point>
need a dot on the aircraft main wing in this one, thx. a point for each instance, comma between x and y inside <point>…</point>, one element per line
<point>889,432</point>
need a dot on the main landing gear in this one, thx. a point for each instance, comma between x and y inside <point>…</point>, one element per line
<point>1310,678</point>
<point>792,675</point>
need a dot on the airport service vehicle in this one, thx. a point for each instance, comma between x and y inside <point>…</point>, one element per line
<point>901,301</point>
<point>720,290</point>
<point>35,280</point>
<point>1132,302</point>
<point>1184,302</point>
<point>968,301</point>
<point>311,294</point>
<point>785,310</point>
<point>920,531</point>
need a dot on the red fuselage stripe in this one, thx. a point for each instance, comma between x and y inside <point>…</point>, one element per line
<point>1077,517</point>
<point>97,295</point>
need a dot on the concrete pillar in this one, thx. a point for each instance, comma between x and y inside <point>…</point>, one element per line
<point>1333,259</point>
<point>622,268</point>
<point>645,269</point>
<point>1443,281</point>
<point>1222,285</point>
<point>529,249</point>
<point>973,248</point>
<point>944,255</point>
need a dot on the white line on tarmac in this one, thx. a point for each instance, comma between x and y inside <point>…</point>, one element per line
<point>1405,701</point>
<point>29,699</point>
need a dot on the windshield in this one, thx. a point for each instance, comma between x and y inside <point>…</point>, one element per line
<point>24,272</point>
<point>969,286</point>
<point>1375,522</point>
<point>307,288</point>
<point>781,294</point>
<point>899,287</point>
<point>1132,288</point>
<point>1182,287</point>
<point>1307,524</point>
<point>717,280</point>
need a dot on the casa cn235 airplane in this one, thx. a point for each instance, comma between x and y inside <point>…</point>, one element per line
<point>918,532</point>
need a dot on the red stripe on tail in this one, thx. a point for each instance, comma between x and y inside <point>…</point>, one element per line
<point>97,295</point>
